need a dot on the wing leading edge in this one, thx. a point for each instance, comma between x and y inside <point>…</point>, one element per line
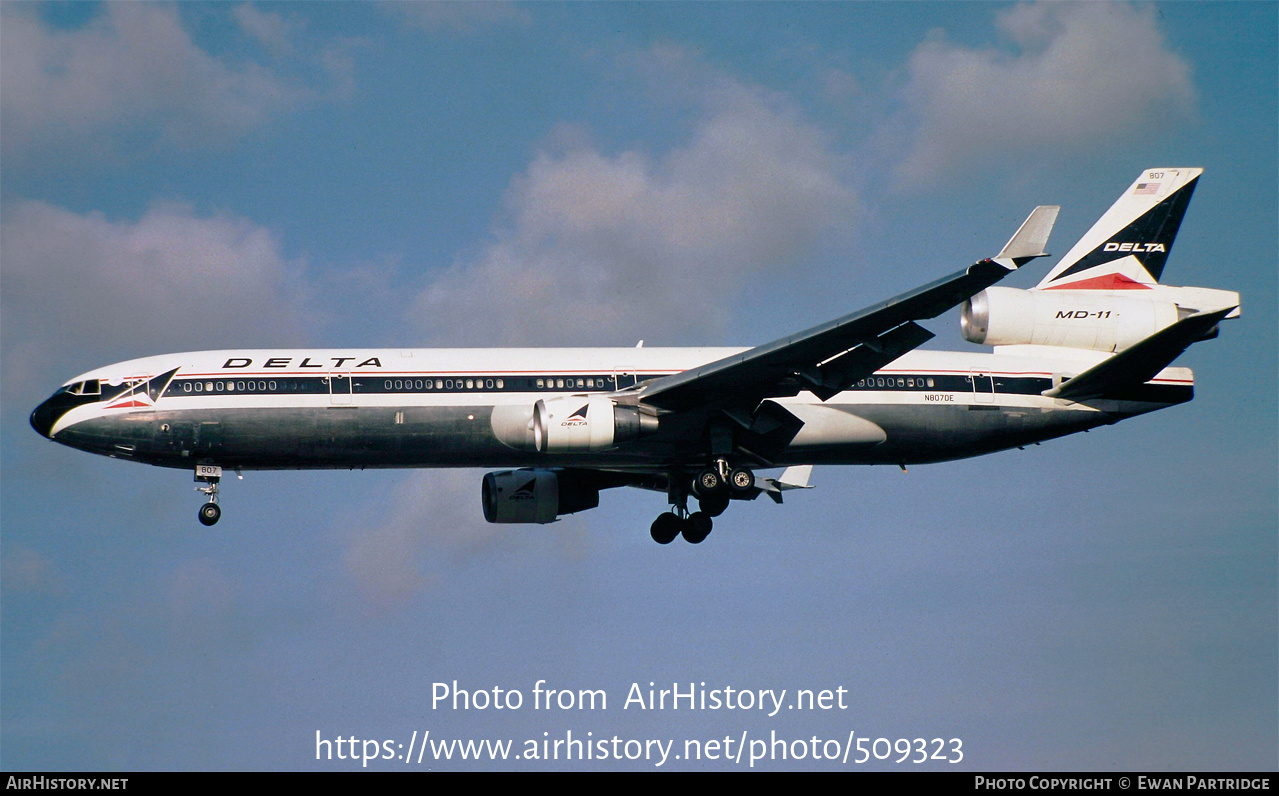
<point>828,358</point>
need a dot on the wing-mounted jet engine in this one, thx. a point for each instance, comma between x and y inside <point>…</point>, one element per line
<point>536,495</point>
<point>576,423</point>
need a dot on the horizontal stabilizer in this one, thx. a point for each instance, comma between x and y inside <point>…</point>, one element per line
<point>795,477</point>
<point>1031,239</point>
<point>1141,362</point>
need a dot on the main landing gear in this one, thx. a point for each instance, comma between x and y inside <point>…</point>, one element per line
<point>210,512</point>
<point>694,527</point>
<point>714,487</point>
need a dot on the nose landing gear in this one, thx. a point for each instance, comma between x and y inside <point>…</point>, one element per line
<point>210,512</point>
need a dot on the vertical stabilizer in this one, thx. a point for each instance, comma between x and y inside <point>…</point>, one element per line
<point>1127,248</point>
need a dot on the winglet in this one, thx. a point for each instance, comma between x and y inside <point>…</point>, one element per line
<point>1031,238</point>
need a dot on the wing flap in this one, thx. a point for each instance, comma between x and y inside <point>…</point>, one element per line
<point>835,375</point>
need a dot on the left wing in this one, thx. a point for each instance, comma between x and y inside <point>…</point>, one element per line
<point>826,359</point>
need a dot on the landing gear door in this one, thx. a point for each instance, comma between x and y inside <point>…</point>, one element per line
<point>340,390</point>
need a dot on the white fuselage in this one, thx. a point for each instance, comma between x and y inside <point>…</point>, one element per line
<point>283,409</point>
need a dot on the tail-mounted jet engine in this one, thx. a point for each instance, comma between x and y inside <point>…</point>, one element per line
<point>1099,320</point>
<point>535,495</point>
<point>570,424</point>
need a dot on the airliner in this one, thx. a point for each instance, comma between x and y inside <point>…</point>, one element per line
<point>1090,345</point>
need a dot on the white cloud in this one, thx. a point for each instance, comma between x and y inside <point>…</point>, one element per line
<point>431,523</point>
<point>394,558</point>
<point>84,286</point>
<point>603,248</point>
<point>1086,74</point>
<point>129,78</point>
<point>272,30</point>
<point>458,16</point>
<point>26,571</point>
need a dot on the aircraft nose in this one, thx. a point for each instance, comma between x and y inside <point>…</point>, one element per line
<point>44,416</point>
<point>42,419</point>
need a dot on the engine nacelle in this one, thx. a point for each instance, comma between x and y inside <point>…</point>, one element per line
<point>569,424</point>
<point>1098,320</point>
<point>535,495</point>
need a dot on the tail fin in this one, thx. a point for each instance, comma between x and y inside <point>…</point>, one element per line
<point>1127,248</point>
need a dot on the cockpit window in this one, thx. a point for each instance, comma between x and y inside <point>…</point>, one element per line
<point>90,387</point>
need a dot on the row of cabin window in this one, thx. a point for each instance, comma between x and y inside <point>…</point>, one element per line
<point>395,385</point>
<point>570,384</point>
<point>443,384</point>
<point>389,384</point>
<point>490,384</point>
<point>228,386</point>
<point>889,381</point>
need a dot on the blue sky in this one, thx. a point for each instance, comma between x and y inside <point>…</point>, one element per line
<point>218,175</point>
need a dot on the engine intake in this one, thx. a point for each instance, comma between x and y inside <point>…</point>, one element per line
<point>535,495</point>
